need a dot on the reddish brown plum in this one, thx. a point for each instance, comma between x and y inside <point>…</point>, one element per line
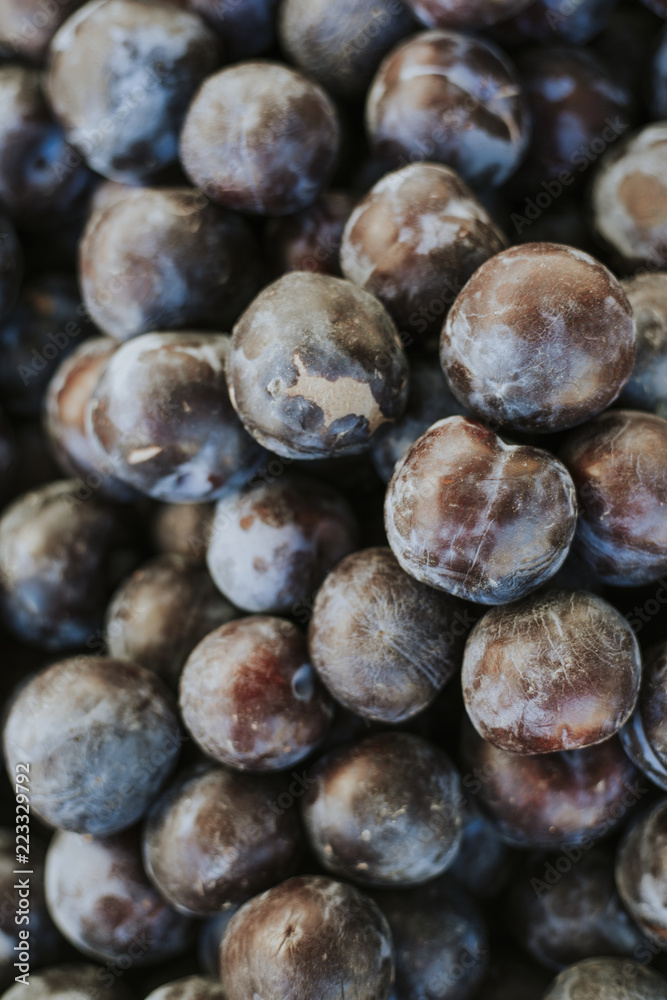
<point>11,266</point>
<point>414,241</point>
<point>246,27</point>
<point>466,15</point>
<point>429,400</point>
<point>62,982</point>
<point>619,465</point>
<point>101,900</point>
<point>261,138</point>
<point>216,837</point>
<point>453,99</point>
<point>183,530</point>
<point>645,736</point>
<point>43,181</point>
<point>159,614</point>
<point>166,259</point>
<point>647,388</point>
<point>641,872</point>
<point>102,737</point>
<point>310,239</point>
<point>316,367</point>
<point>46,325</point>
<point>540,339</point>
<point>62,553</point>
<point>555,671</point>
<point>440,944</point>
<point>67,397</point>
<point>476,517</point>
<point>629,200</point>
<point>308,937</point>
<point>27,26</point>
<point>161,414</point>
<point>563,917</point>
<point>573,797</point>
<point>577,107</point>
<point>250,698</point>
<point>383,643</point>
<point>341,45</point>
<point>619,978</point>
<point>385,811</point>
<point>273,543</point>
<point>142,63</point>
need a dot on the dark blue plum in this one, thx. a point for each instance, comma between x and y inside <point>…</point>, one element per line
<point>246,27</point>
<point>439,940</point>
<point>62,552</point>
<point>47,323</point>
<point>101,736</point>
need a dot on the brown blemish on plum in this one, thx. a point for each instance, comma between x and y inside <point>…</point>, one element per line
<point>337,398</point>
<point>645,199</point>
